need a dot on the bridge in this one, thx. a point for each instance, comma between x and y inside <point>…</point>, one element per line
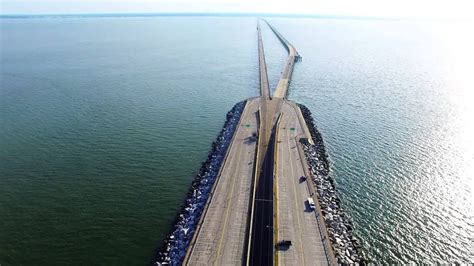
<point>258,199</point>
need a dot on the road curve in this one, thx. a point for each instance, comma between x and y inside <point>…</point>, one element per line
<point>293,56</point>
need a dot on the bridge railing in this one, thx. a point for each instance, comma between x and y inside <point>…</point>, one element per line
<point>192,243</point>
<point>328,249</point>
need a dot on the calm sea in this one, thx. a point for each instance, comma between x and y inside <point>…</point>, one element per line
<point>104,122</point>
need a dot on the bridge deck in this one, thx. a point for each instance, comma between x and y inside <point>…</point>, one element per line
<point>294,220</point>
<point>271,197</point>
<point>264,85</point>
<point>221,237</point>
<point>284,82</point>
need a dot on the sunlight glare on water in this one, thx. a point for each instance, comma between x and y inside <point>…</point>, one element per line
<point>104,122</point>
<point>394,101</point>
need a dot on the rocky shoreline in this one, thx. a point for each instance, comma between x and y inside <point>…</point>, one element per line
<point>176,244</point>
<point>347,248</point>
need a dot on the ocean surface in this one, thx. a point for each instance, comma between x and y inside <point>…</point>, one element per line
<point>104,122</point>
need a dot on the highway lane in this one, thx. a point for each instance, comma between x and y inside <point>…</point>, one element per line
<point>294,221</point>
<point>221,236</point>
<point>261,247</point>
<point>220,240</point>
<point>264,85</point>
<point>268,108</point>
<point>284,82</point>
<point>261,243</point>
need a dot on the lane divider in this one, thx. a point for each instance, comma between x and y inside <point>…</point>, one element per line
<point>275,190</point>
<point>211,194</point>
<point>254,186</point>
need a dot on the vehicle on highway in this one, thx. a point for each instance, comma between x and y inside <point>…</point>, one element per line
<point>311,204</point>
<point>284,244</point>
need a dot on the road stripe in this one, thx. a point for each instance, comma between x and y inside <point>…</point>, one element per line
<point>296,200</point>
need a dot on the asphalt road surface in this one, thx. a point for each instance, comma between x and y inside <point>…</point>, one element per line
<point>261,244</point>
<point>221,238</point>
<point>294,220</point>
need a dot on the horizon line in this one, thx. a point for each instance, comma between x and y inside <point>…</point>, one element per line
<point>208,14</point>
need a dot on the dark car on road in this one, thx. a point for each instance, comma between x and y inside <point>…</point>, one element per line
<point>284,244</point>
<point>302,178</point>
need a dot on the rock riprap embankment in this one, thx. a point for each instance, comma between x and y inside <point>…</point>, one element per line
<point>177,242</point>
<point>346,246</point>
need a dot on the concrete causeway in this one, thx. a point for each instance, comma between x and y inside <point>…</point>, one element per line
<point>258,198</point>
<point>294,220</point>
<point>220,238</point>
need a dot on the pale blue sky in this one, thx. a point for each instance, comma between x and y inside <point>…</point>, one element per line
<point>379,8</point>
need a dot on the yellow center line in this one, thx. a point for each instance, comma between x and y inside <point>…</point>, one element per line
<point>277,195</point>
<point>231,196</point>
<point>296,203</point>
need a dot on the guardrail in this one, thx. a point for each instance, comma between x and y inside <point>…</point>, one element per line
<point>211,194</point>
<point>282,39</point>
<point>264,84</point>
<point>275,184</point>
<point>328,249</point>
<point>254,186</point>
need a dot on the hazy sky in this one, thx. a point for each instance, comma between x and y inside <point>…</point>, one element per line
<point>379,8</point>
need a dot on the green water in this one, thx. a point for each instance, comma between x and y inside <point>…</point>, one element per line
<point>104,122</point>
